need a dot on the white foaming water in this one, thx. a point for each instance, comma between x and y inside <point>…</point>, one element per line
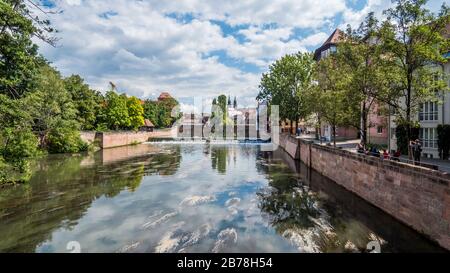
<point>201,141</point>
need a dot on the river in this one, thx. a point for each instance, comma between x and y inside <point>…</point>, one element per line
<point>191,197</point>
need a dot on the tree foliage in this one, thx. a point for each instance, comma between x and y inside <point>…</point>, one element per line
<point>160,113</point>
<point>412,41</point>
<point>19,60</point>
<point>87,101</point>
<point>116,111</point>
<point>330,98</point>
<point>135,113</point>
<point>287,83</point>
<point>362,67</point>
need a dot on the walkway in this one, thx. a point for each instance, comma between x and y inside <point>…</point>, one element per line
<point>350,145</point>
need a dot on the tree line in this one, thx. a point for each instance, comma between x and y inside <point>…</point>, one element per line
<point>395,63</point>
<point>40,110</point>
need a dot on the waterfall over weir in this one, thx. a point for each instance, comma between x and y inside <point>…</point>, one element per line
<point>202,141</point>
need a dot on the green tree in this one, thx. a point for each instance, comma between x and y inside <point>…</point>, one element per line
<point>19,61</point>
<point>116,111</point>
<point>362,68</point>
<point>135,113</point>
<point>17,141</point>
<point>86,101</point>
<point>151,112</point>
<point>286,85</point>
<point>214,103</point>
<point>161,112</point>
<point>50,103</point>
<point>329,99</point>
<point>223,102</point>
<point>64,137</point>
<point>412,40</point>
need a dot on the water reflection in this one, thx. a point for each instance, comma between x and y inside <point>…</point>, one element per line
<point>318,215</point>
<point>64,187</point>
<point>190,198</point>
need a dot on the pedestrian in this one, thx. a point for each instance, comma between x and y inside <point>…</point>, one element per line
<point>397,155</point>
<point>417,150</point>
<point>412,148</point>
<point>386,154</point>
<point>360,148</point>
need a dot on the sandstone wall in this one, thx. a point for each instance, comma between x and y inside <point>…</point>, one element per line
<point>417,196</point>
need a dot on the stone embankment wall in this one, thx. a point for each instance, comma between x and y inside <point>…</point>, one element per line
<point>122,138</point>
<point>417,196</point>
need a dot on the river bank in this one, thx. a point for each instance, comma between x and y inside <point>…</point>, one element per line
<point>161,197</point>
<point>417,196</point>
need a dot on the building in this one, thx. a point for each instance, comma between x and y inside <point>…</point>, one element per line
<point>148,126</point>
<point>377,131</point>
<point>329,46</point>
<point>164,96</point>
<point>429,116</point>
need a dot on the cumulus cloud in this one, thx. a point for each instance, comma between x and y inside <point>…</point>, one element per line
<point>191,47</point>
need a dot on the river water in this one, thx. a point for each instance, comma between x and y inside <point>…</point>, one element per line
<point>191,197</point>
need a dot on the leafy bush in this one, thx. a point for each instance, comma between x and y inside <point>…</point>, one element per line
<point>17,171</point>
<point>443,132</point>
<point>19,144</point>
<point>65,139</point>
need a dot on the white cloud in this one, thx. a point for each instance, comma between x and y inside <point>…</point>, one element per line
<point>144,50</point>
<point>315,39</point>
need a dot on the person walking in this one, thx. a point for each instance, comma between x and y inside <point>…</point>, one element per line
<point>412,149</point>
<point>417,150</point>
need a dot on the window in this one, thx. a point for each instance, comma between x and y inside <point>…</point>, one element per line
<point>333,49</point>
<point>428,111</point>
<point>379,130</point>
<point>428,136</point>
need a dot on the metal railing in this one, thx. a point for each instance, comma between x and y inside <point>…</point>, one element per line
<point>381,156</point>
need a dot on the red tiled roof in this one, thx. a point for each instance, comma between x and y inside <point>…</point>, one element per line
<point>335,37</point>
<point>164,96</point>
<point>148,123</point>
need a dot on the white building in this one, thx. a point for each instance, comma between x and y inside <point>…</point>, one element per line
<point>430,115</point>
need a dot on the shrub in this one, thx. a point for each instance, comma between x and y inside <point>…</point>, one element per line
<point>65,139</point>
<point>19,144</point>
<point>443,132</point>
<point>17,171</point>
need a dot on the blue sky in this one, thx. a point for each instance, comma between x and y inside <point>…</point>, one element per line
<point>192,48</point>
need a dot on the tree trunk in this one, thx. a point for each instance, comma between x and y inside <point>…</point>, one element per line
<point>296,126</point>
<point>408,114</point>
<point>320,129</point>
<point>334,136</point>
<point>292,126</point>
<point>364,117</point>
